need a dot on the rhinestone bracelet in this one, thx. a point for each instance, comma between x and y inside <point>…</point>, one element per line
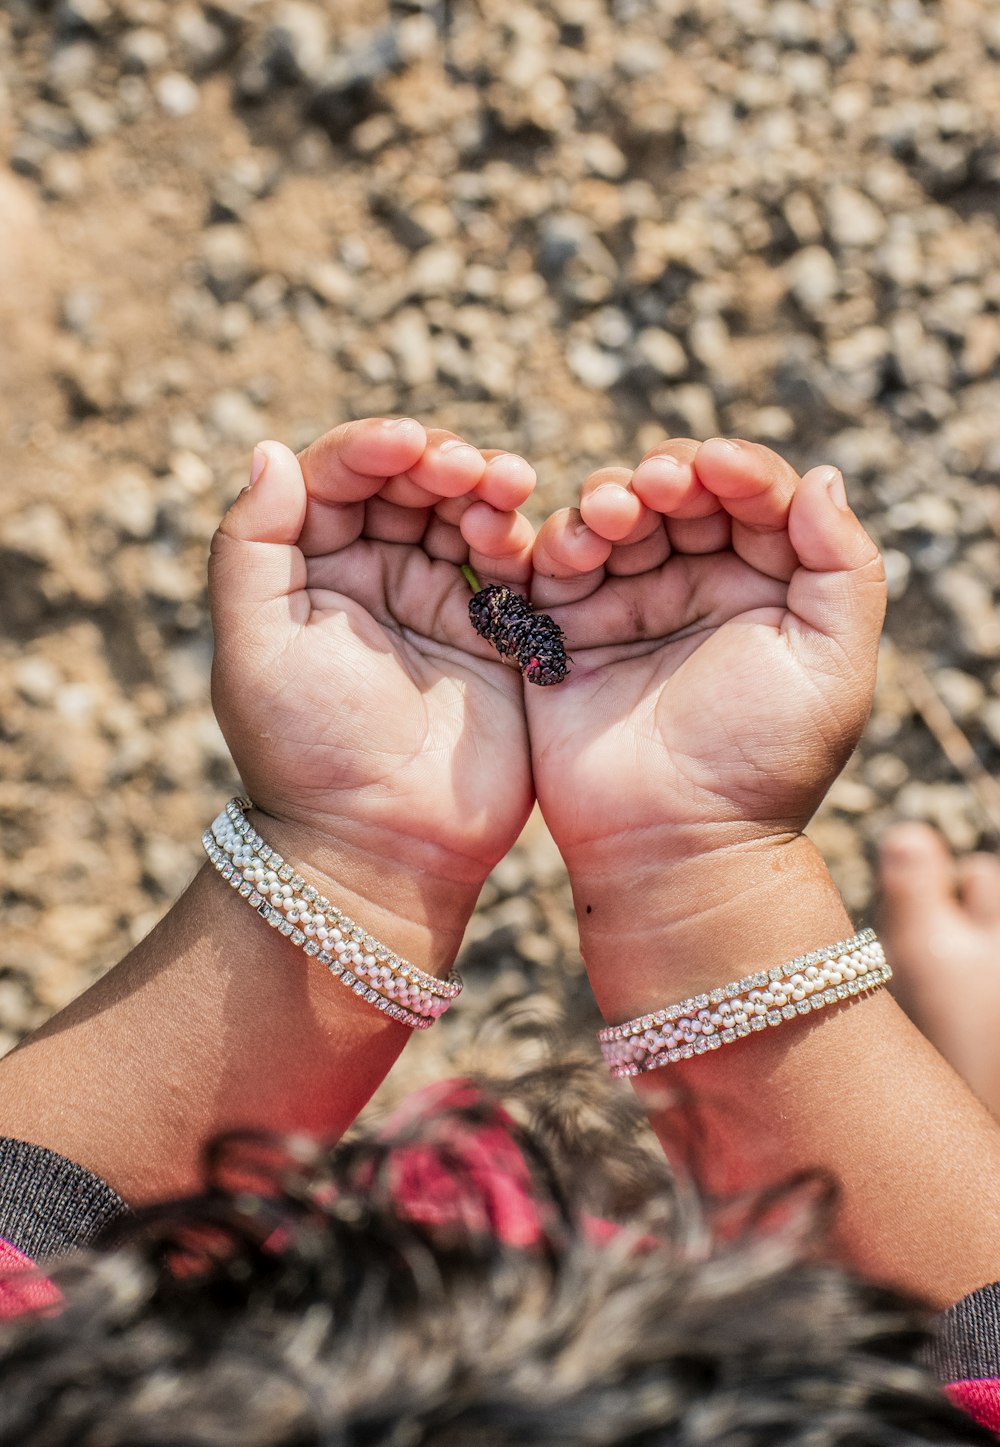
<point>299,912</point>
<point>840,971</point>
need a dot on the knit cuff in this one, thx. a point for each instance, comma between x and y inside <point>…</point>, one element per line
<point>966,1344</point>
<point>50,1205</point>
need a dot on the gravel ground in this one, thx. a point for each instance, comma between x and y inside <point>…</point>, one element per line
<point>568,228</point>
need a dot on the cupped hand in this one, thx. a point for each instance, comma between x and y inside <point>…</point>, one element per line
<point>354,695</point>
<point>723,616</point>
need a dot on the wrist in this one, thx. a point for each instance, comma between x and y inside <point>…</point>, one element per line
<point>419,913</point>
<point>657,930</point>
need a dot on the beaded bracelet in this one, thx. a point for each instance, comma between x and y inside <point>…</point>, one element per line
<point>307,918</point>
<point>823,977</point>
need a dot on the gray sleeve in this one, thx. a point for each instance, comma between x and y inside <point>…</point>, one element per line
<point>48,1204</point>
<point>966,1344</point>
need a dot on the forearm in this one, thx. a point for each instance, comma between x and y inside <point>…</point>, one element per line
<point>216,1021</point>
<point>852,1088</point>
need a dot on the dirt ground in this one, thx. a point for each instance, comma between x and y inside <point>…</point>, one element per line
<point>569,228</point>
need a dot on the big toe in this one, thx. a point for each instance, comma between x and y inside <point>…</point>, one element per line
<point>979,887</point>
<point>916,870</point>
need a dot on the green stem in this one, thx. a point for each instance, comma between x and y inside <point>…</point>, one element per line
<point>471,579</point>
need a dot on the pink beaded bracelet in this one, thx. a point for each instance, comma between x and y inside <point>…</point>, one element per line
<point>840,971</point>
<point>298,911</point>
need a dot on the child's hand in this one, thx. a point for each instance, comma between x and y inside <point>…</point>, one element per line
<point>723,615</point>
<point>357,700</point>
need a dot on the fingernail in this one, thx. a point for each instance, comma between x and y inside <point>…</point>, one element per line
<point>455,443</point>
<point>835,487</point>
<point>579,529</point>
<point>257,464</point>
<point>724,444</point>
<point>397,424</point>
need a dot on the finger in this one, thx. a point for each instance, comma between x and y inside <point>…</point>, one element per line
<point>255,559</point>
<point>608,505</point>
<point>448,466</point>
<point>444,542</point>
<point>343,468</point>
<point>979,886</point>
<point>508,481</point>
<point>756,487</point>
<point>353,461</point>
<point>838,589</point>
<point>568,559</point>
<point>404,492</point>
<point>499,544</point>
<point>711,534</point>
<point>666,481</point>
<point>386,523</point>
<point>640,554</point>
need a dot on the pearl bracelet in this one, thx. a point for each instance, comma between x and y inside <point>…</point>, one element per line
<point>299,912</point>
<point>840,971</point>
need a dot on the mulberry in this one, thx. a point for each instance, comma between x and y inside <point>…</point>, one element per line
<point>508,621</point>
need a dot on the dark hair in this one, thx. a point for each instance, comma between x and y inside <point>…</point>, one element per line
<point>455,1282</point>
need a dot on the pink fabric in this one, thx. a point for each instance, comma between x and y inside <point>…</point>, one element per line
<point>472,1175</point>
<point>980,1399</point>
<point>23,1288</point>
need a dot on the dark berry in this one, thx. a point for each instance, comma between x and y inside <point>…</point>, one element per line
<point>508,621</point>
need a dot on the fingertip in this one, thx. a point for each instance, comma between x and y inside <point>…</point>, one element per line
<point>508,481</point>
<point>493,533</point>
<point>826,535</point>
<point>566,547</point>
<point>272,507</point>
<point>612,511</point>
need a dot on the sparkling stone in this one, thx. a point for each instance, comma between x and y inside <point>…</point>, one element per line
<point>335,967</point>
<point>266,852</point>
<point>803,1007</point>
<point>817,1002</point>
<point>773,1017</point>
<point>758,1023</point>
<point>714,1043</point>
<point>788,1012</point>
<point>263,909</point>
<point>349,977</point>
<point>246,889</point>
<point>236,879</point>
<point>311,947</point>
<point>227,871</point>
<point>700,1046</point>
<point>285,873</point>
<point>686,1052</point>
<point>297,937</point>
<point>276,860</point>
<point>728,1036</point>
<point>742,1028</point>
<point>285,928</point>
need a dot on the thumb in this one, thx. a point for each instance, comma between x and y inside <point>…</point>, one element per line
<point>255,560</point>
<point>838,589</point>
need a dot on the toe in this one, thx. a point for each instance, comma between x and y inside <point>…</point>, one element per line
<point>979,887</point>
<point>916,870</point>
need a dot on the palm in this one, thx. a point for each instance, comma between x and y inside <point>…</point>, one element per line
<point>343,645</point>
<point>687,714</point>
<point>711,689</point>
<point>383,710</point>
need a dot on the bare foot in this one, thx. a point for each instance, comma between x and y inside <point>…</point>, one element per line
<point>941,930</point>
